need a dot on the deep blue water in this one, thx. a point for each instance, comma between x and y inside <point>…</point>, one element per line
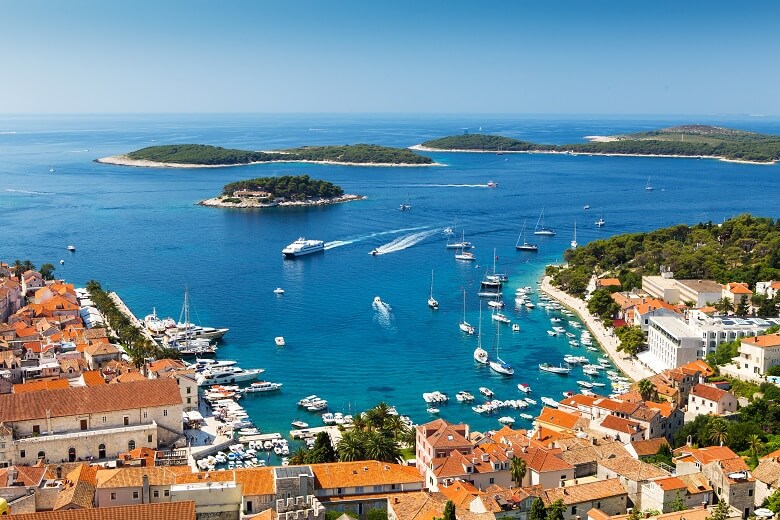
<point>140,233</point>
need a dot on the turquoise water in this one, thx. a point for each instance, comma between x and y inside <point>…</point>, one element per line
<point>140,233</point>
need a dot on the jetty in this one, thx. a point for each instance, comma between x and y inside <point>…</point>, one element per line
<point>138,324</point>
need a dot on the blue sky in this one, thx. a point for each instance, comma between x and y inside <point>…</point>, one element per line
<point>573,57</point>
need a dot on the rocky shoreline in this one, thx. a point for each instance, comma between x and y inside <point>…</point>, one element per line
<point>224,201</point>
<point>124,160</point>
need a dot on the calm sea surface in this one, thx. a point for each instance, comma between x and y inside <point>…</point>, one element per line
<point>140,233</point>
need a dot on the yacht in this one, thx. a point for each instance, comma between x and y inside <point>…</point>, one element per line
<point>499,365</point>
<point>480,354</point>
<point>464,397</point>
<point>458,245</point>
<point>540,229</point>
<point>546,367</point>
<point>600,222</point>
<point>465,255</point>
<point>487,392</point>
<point>585,384</point>
<point>303,247</point>
<point>72,249</point>
<point>497,316</point>
<point>574,240</point>
<point>233,374</point>
<point>278,290</point>
<point>299,424</point>
<point>263,386</point>
<point>464,325</point>
<point>525,246</point>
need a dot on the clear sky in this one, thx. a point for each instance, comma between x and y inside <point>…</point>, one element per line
<point>573,57</point>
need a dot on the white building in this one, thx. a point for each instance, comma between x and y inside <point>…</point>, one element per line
<point>701,292</point>
<point>709,400</point>
<point>757,354</point>
<point>671,344</point>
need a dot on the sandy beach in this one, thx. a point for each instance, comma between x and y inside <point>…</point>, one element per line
<point>606,338</point>
<point>421,148</point>
<point>123,160</point>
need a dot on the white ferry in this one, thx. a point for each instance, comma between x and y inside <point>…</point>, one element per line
<point>303,247</point>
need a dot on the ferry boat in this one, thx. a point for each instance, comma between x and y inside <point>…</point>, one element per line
<point>303,247</point>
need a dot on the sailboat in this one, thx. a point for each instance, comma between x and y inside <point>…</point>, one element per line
<point>464,325</point>
<point>490,286</point>
<point>186,328</point>
<point>648,186</point>
<point>458,245</point>
<point>407,205</point>
<point>432,303</point>
<point>499,365</point>
<point>462,254</point>
<point>540,229</point>
<point>600,222</point>
<point>574,240</point>
<point>525,246</point>
<point>480,354</point>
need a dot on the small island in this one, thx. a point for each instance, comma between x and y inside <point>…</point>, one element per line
<point>207,156</point>
<point>287,190</point>
<point>699,141</point>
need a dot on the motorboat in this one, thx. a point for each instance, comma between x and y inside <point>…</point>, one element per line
<point>303,247</point>
<point>546,367</point>
<point>72,248</point>
<point>464,397</point>
<point>596,383</point>
<point>506,420</point>
<point>548,401</point>
<point>574,240</point>
<point>328,418</point>
<point>435,397</point>
<point>529,400</point>
<point>299,424</point>
<point>591,372</point>
<point>552,333</point>
<point>432,410</point>
<point>492,184</point>
<point>527,416</point>
<point>497,316</point>
<point>263,386</point>
<point>526,389</point>
<point>467,256</point>
<point>586,207</point>
<point>374,252</point>
<point>529,305</point>
<point>515,327</point>
<point>585,384</point>
<point>487,392</point>
<point>278,290</point>
<point>279,340</point>
<point>496,304</point>
<point>216,376</point>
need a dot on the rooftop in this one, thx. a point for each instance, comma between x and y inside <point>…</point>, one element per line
<point>584,492</point>
<point>158,511</point>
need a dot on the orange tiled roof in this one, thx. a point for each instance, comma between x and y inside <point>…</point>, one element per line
<point>559,418</point>
<point>619,424</point>
<point>708,392</point>
<point>697,366</point>
<point>256,481</point>
<point>670,483</point>
<point>766,341</point>
<point>588,492</point>
<point>738,288</point>
<point>443,434</point>
<point>649,447</point>
<point>84,400</point>
<point>363,473</point>
<point>157,511</point>
<point>37,386</point>
<point>93,378</point>
<point>707,454</point>
<point>609,282</point>
<point>129,377</point>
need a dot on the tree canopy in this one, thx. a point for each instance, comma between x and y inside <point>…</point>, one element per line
<point>291,187</point>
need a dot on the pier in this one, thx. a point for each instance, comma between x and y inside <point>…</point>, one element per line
<point>124,309</point>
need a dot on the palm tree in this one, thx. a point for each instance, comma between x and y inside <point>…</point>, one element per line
<point>518,469</point>
<point>298,457</point>
<point>350,447</point>
<point>378,415</point>
<point>396,427</point>
<point>724,305</point>
<point>646,389</point>
<point>718,431</point>
<point>28,266</point>
<point>359,423</point>
<point>380,447</point>
<point>18,269</point>
<point>755,444</point>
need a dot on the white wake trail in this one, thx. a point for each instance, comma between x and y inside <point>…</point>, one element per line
<point>405,242</point>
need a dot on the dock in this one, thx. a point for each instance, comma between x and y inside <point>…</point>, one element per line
<point>124,309</point>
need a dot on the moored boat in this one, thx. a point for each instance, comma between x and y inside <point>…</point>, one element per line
<point>546,367</point>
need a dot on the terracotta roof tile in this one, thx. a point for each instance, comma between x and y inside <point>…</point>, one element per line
<point>670,483</point>
<point>588,492</point>
<point>363,473</point>
<point>158,511</point>
<point>708,392</point>
<point>649,447</point>
<point>619,424</point>
<point>768,472</point>
<point>83,400</point>
<point>559,418</point>
<point>632,468</point>
<point>766,341</point>
<point>93,378</point>
<point>37,386</point>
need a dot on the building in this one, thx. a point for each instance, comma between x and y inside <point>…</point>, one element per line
<point>632,474</point>
<point>737,291</point>
<point>696,513</point>
<point>726,472</point>
<point>757,354</point>
<point>700,292</point>
<point>86,423</point>
<point>607,495</point>
<point>708,400</point>
<point>650,308</point>
<point>437,439</point>
<point>661,494</point>
<point>671,343</point>
<point>165,511</point>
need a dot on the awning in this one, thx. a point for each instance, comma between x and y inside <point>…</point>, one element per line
<point>193,415</point>
<point>652,362</point>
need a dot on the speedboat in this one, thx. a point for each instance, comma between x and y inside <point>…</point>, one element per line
<point>529,400</point>
<point>546,367</point>
<point>374,252</point>
<point>432,410</point>
<point>464,397</point>
<point>526,389</point>
<point>497,316</point>
<point>496,304</point>
<point>279,340</point>
<point>299,424</point>
<point>506,420</point>
<point>585,384</point>
<point>303,247</point>
<point>552,403</point>
<point>487,392</point>
<point>492,184</point>
<point>72,249</point>
<point>527,416</point>
<point>278,290</point>
<point>515,327</point>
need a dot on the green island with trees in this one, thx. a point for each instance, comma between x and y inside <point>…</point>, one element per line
<point>207,155</point>
<point>684,140</point>
<point>294,190</point>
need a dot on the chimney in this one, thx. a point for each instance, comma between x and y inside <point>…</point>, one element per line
<point>59,472</point>
<point>510,454</point>
<point>12,474</point>
<point>145,489</point>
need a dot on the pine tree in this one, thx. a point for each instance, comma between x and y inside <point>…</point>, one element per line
<point>537,511</point>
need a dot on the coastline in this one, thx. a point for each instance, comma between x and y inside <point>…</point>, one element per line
<point>124,160</point>
<point>607,339</point>
<point>421,148</point>
<point>217,202</point>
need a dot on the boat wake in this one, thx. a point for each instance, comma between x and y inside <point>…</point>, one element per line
<point>339,243</point>
<point>449,185</point>
<point>383,312</point>
<point>28,192</point>
<point>405,242</point>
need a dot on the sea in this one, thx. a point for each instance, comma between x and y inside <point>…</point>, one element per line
<point>141,233</point>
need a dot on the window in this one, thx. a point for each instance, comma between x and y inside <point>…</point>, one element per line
<point>750,491</point>
<point>574,510</point>
<point>165,413</point>
<point>563,477</point>
<point>126,420</point>
<point>113,496</point>
<point>189,400</point>
<point>598,505</point>
<point>104,419</point>
<point>71,454</point>
<point>130,445</point>
<point>83,424</point>
<point>135,495</point>
<point>166,493</point>
<point>148,438</point>
<point>248,502</point>
<point>339,491</point>
<point>189,391</point>
<point>156,494</point>
<point>36,429</point>
<point>492,480</point>
<point>145,415</point>
<point>41,455</point>
<point>101,451</point>
<point>22,454</point>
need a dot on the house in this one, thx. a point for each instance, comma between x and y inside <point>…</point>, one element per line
<point>700,292</point>
<point>647,447</point>
<point>768,289</point>
<point>78,491</point>
<point>662,493</point>
<point>757,354</point>
<point>650,308</point>
<point>632,474</point>
<point>697,513</point>
<point>428,506</point>
<point>480,468</point>
<point>767,475</point>
<point>437,439</point>
<point>620,429</point>
<point>709,400</point>
<point>607,283</point>
<point>544,467</point>
<point>89,422</point>
<point>561,421</point>
<point>736,291</point>
<point>97,355</point>
<point>584,454</point>
<point>726,472</point>
<point>606,495</point>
